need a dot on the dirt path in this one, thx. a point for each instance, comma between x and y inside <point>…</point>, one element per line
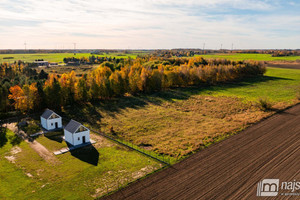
<point>284,65</point>
<point>36,146</point>
<point>232,168</point>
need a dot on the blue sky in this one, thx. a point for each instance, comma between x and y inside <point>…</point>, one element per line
<point>150,24</point>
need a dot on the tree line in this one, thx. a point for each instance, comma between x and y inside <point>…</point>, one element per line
<point>141,75</point>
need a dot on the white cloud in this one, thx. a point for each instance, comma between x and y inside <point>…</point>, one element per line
<point>146,24</point>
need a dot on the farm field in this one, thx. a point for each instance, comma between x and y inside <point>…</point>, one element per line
<point>79,70</point>
<point>57,57</point>
<point>82,174</point>
<point>248,56</point>
<point>178,122</point>
<point>232,168</point>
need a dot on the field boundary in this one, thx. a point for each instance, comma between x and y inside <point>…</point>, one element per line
<point>130,147</point>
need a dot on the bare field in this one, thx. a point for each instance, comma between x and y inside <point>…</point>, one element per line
<point>232,168</point>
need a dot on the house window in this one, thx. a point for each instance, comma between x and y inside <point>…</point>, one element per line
<point>79,138</point>
<point>51,124</point>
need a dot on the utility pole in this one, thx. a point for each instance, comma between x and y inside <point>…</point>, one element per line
<point>221,46</point>
<point>25,45</point>
<point>203,46</point>
<point>74,48</point>
<point>231,46</point>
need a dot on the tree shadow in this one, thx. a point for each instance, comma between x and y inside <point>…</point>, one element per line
<point>55,136</point>
<point>3,137</point>
<point>81,112</point>
<point>88,154</point>
<point>91,112</point>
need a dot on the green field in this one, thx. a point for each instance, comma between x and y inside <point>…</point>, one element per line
<point>83,174</point>
<point>179,121</point>
<point>258,57</point>
<point>56,57</point>
<point>278,85</point>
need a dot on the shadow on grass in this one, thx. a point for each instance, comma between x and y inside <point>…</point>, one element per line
<point>55,136</point>
<point>91,112</point>
<point>3,137</point>
<point>88,154</point>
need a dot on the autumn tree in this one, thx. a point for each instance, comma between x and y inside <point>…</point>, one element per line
<point>18,96</point>
<point>67,84</point>
<point>117,83</point>
<point>82,90</point>
<point>134,78</point>
<point>52,92</point>
<point>25,98</point>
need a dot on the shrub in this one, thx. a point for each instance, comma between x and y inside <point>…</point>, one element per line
<point>3,138</point>
<point>32,128</point>
<point>264,104</point>
<point>15,140</point>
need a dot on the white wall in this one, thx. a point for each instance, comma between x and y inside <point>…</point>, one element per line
<point>80,135</point>
<point>44,123</point>
<point>68,137</point>
<point>73,138</point>
<point>51,123</point>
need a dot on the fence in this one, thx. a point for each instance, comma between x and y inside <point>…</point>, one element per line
<point>128,145</point>
<point>161,159</point>
<point>131,146</point>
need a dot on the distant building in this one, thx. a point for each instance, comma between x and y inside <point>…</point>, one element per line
<point>50,120</point>
<point>75,133</point>
<point>41,63</point>
<point>71,63</point>
<point>53,64</point>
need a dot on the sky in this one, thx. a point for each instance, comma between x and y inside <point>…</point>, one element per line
<point>150,24</point>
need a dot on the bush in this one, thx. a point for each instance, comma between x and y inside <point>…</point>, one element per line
<point>3,138</point>
<point>264,104</point>
<point>32,128</point>
<point>15,140</point>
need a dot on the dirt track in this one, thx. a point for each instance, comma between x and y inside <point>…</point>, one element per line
<point>232,168</point>
<point>284,65</point>
<point>39,148</point>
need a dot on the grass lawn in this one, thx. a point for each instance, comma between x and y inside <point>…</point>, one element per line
<point>258,57</point>
<point>179,121</point>
<point>56,57</point>
<point>278,85</point>
<point>82,174</point>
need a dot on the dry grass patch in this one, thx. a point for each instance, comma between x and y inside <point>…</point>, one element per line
<point>180,127</point>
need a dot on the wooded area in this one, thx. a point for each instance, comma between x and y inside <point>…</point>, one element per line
<point>23,88</point>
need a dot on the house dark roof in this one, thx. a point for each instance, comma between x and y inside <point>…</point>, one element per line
<point>72,126</point>
<point>47,113</point>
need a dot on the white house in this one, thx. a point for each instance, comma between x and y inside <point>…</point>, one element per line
<point>76,133</point>
<point>50,120</point>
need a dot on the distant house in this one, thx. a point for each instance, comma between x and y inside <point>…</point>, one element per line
<point>50,120</point>
<point>41,63</point>
<point>76,133</point>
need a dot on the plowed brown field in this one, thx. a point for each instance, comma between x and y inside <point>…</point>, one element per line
<point>232,168</point>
